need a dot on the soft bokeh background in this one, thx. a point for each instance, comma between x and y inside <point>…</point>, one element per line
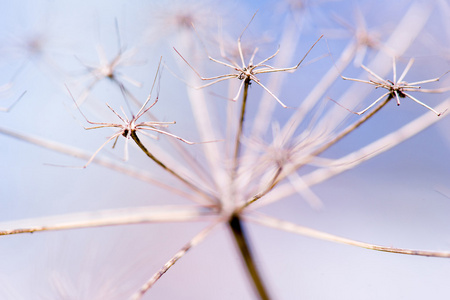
<point>400,198</point>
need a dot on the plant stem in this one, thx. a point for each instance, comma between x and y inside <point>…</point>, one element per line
<point>241,125</point>
<point>305,231</point>
<point>352,127</point>
<point>188,246</point>
<point>278,177</point>
<point>162,165</point>
<point>243,245</point>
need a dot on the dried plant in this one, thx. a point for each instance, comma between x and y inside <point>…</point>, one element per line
<point>238,181</point>
<point>110,69</point>
<point>247,72</point>
<point>398,88</point>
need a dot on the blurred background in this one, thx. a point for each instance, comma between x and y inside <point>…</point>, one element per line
<point>400,198</point>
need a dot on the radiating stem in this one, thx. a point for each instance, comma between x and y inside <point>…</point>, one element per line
<point>243,245</point>
<point>188,246</point>
<point>110,217</point>
<point>241,125</point>
<point>162,165</point>
<point>352,127</point>
<point>305,231</point>
<point>278,177</point>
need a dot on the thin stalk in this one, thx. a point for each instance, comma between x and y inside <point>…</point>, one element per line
<point>320,150</point>
<point>352,127</point>
<point>237,147</point>
<point>162,165</point>
<point>305,231</point>
<point>110,217</point>
<point>243,245</point>
<point>188,246</point>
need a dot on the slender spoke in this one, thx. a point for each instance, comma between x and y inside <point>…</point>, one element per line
<point>102,218</point>
<point>162,165</point>
<point>192,243</point>
<point>305,231</point>
<point>280,177</point>
<point>241,125</point>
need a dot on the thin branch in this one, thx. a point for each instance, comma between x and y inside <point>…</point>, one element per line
<point>305,231</point>
<point>351,128</point>
<point>192,243</point>
<point>111,217</point>
<point>345,132</point>
<point>162,165</point>
<point>241,125</point>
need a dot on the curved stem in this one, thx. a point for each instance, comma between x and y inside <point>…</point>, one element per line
<point>162,165</point>
<point>243,245</point>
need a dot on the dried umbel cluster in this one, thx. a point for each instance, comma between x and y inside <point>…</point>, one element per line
<point>230,173</point>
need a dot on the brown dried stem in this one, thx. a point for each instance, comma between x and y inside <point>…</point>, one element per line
<point>243,245</point>
<point>162,165</point>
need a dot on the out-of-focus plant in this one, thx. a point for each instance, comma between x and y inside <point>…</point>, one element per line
<point>238,170</point>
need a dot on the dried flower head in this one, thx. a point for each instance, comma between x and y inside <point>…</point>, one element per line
<point>397,88</point>
<point>110,69</point>
<point>247,72</point>
<point>130,126</point>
